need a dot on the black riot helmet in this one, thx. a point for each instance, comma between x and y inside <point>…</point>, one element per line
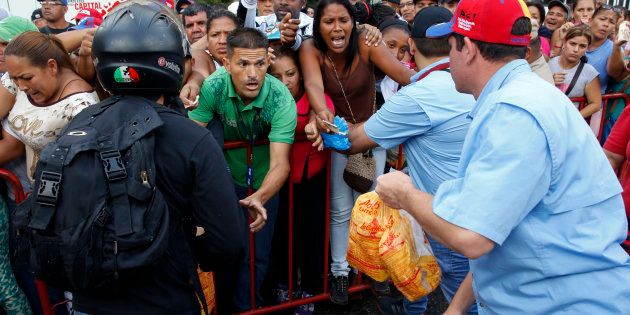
<point>140,49</point>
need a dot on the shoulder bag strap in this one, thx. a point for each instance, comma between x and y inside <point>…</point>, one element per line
<point>575,77</point>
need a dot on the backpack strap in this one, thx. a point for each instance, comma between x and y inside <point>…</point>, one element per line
<point>116,174</point>
<point>47,191</point>
<point>49,182</point>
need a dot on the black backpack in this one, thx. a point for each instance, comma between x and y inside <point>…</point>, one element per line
<point>95,218</point>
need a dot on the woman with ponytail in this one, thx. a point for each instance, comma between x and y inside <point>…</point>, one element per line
<point>572,74</point>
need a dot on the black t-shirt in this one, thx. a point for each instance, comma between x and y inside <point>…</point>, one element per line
<point>54,31</point>
<point>193,176</point>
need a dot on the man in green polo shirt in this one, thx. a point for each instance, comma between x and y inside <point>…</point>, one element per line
<point>251,104</point>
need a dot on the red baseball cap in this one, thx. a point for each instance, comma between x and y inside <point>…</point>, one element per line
<point>95,14</point>
<point>488,21</point>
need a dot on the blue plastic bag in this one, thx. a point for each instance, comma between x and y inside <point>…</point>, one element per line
<point>337,141</point>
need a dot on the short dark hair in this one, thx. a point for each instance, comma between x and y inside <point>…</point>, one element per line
<point>221,13</point>
<point>394,23</point>
<point>284,51</point>
<point>380,13</point>
<point>534,44</point>
<point>193,10</point>
<point>540,7</point>
<point>247,38</point>
<point>501,52</point>
<point>432,47</point>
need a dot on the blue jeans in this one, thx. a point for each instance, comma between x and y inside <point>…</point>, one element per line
<point>262,247</point>
<point>342,199</point>
<point>454,268</point>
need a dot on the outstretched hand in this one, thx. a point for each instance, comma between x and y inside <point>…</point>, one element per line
<point>190,96</point>
<point>257,212</point>
<point>313,135</point>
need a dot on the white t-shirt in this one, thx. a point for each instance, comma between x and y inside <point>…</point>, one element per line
<point>389,87</point>
<point>37,126</point>
<point>586,76</point>
<point>268,25</point>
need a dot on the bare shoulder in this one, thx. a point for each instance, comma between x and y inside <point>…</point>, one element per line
<point>308,48</point>
<point>80,85</point>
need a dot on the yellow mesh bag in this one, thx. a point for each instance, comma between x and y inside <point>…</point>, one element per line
<point>412,267</point>
<point>207,285</point>
<point>369,219</point>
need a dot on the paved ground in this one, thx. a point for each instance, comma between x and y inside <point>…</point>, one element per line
<point>366,303</point>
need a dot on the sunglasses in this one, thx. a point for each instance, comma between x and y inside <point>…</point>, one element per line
<point>612,8</point>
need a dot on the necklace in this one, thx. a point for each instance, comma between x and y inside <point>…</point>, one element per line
<point>344,92</point>
<point>64,89</point>
<point>341,86</point>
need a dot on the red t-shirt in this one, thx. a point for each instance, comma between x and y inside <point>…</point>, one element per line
<point>302,149</point>
<point>618,142</point>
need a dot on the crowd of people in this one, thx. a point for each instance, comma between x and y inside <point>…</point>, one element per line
<point>506,174</point>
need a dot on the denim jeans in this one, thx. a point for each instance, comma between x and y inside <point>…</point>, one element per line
<point>342,199</point>
<point>262,247</point>
<point>454,268</point>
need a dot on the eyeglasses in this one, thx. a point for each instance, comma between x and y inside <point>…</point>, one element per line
<point>408,4</point>
<point>610,7</point>
<point>50,3</point>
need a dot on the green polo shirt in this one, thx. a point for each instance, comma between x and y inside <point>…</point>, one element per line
<point>278,118</point>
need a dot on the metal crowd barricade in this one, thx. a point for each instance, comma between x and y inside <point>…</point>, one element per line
<point>42,290</point>
<point>605,98</point>
<point>48,308</point>
<point>358,285</point>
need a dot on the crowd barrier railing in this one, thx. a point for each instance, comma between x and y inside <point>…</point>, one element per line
<point>605,98</point>
<point>292,302</point>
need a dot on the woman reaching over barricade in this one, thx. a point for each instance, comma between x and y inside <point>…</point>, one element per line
<point>573,75</point>
<point>338,62</point>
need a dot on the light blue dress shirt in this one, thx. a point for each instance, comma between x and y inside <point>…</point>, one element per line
<point>429,119</point>
<point>533,179</point>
